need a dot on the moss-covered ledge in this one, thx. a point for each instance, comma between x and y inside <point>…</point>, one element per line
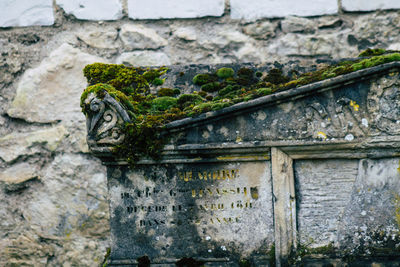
<point>152,103</point>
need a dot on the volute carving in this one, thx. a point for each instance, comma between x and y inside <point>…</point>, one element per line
<point>104,120</point>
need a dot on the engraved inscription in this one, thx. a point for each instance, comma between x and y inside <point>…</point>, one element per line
<point>211,192</point>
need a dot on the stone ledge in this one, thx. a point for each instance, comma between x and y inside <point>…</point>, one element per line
<point>272,9</point>
<point>360,5</point>
<point>161,9</point>
<point>92,9</point>
<point>26,13</point>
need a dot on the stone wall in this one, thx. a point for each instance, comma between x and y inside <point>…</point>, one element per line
<point>53,209</point>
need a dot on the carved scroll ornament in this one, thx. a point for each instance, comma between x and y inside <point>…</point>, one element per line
<point>104,120</point>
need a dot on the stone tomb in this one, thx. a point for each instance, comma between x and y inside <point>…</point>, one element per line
<point>305,176</point>
<point>211,210</point>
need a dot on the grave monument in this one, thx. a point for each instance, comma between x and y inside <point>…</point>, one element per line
<point>293,173</point>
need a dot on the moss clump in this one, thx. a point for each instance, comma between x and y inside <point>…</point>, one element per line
<point>202,94</point>
<point>149,112</point>
<point>187,100</point>
<point>168,92</point>
<point>123,78</point>
<point>211,87</point>
<point>158,81</point>
<point>372,52</point>
<point>224,73</point>
<point>375,61</point>
<point>201,79</point>
<point>275,76</point>
<point>163,103</point>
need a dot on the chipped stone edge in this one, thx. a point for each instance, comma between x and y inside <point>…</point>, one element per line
<point>308,89</point>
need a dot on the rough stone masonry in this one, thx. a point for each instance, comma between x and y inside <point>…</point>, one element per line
<point>53,209</point>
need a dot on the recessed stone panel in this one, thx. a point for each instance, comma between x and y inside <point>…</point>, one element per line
<point>323,190</point>
<point>209,211</point>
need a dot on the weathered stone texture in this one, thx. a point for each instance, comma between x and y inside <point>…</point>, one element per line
<point>271,9</point>
<point>372,217</point>
<point>26,13</point>
<point>140,37</point>
<point>57,221</point>
<point>177,210</point>
<point>360,5</point>
<point>20,144</point>
<point>323,191</point>
<point>51,91</point>
<point>103,38</point>
<point>144,58</point>
<point>159,9</point>
<point>92,9</point>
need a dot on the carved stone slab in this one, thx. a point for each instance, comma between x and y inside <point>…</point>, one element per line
<point>210,211</point>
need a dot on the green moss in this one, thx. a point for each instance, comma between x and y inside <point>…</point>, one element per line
<point>201,79</point>
<point>106,256</point>
<point>372,52</point>
<point>245,263</point>
<point>167,92</point>
<point>211,87</point>
<point>275,76</point>
<point>224,73</point>
<point>228,89</point>
<point>264,91</point>
<point>202,94</point>
<point>150,112</point>
<point>158,81</point>
<point>163,103</point>
<point>375,61</point>
<point>186,100</point>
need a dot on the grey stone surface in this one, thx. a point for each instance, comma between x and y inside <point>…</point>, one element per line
<point>359,5</point>
<point>271,9</point>
<point>144,58</point>
<point>59,218</point>
<point>19,144</point>
<point>297,24</point>
<point>140,37</point>
<point>296,44</point>
<point>324,189</point>
<point>372,217</point>
<point>51,91</point>
<point>209,211</point>
<point>261,30</point>
<point>159,9</point>
<point>92,9</point>
<point>104,38</point>
<point>16,177</point>
<point>26,13</point>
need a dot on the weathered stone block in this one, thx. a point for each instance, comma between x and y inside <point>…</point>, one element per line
<point>160,9</point>
<point>270,9</point>
<point>26,13</point>
<point>360,5</point>
<point>210,210</point>
<point>92,9</point>
<point>309,170</point>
